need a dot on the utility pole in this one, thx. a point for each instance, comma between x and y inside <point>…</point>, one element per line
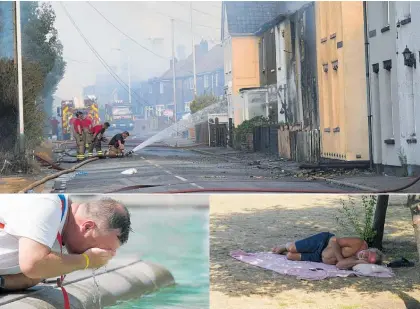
<point>173,70</point>
<point>129,79</point>
<point>18,65</point>
<point>193,51</point>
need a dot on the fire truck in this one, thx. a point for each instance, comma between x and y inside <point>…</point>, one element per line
<point>68,110</point>
<point>120,115</point>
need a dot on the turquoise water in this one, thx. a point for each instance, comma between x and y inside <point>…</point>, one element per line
<point>178,240</point>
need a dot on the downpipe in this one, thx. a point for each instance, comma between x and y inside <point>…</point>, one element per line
<point>368,98</point>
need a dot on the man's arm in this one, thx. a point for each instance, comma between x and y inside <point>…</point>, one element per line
<point>37,261</point>
<point>348,263</point>
<point>336,249</point>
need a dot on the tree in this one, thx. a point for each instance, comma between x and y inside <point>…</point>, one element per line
<point>413,202</point>
<point>379,220</point>
<point>40,44</point>
<point>43,68</point>
<point>202,102</point>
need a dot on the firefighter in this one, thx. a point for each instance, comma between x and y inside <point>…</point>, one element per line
<point>116,145</point>
<point>79,136</point>
<point>98,132</point>
<point>87,127</point>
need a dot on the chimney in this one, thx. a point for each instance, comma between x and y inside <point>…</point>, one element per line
<point>202,48</point>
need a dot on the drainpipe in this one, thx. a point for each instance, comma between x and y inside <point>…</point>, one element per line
<point>369,103</point>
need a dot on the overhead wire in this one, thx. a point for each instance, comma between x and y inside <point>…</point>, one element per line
<point>103,62</point>
<point>184,21</point>
<point>199,11</point>
<point>123,33</point>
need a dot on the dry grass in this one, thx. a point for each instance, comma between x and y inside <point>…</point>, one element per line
<point>15,184</point>
<point>256,223</point>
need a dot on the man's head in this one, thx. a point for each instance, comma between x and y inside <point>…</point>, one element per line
<point>79,115</point>
<point>125,134</point>
<point>106,125</point>
<point>103,223</point>
<point>371,255</point>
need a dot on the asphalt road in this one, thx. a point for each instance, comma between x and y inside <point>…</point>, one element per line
<point>180,169</point>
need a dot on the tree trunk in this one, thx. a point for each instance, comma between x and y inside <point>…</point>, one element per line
<point>414,204</point>
<point>379,220</point>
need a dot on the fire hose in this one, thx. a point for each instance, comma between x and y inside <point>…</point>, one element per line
<point>45,179</point>
<point>197,190</point>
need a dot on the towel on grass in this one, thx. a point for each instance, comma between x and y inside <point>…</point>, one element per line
<point>304,270</point>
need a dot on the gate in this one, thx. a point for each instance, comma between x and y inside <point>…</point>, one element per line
<point>266,139</point>
<point>218,134</point>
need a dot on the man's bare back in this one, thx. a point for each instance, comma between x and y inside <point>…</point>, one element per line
<point>348,247</point>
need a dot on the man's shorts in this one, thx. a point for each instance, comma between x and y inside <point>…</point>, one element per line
<point>311,248</point>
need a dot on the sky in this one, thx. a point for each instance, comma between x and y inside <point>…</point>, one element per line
<point>141,21</point>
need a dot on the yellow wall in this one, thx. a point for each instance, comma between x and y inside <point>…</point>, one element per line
<point>245,71</point>
<point>342,93</point>
<point>245,63</point>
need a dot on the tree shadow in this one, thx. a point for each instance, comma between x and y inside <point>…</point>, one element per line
<point>259,230</point>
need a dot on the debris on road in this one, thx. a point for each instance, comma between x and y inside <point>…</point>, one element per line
<point>130,171</point>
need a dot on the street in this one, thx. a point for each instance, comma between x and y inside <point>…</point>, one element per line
<point>180,169</point>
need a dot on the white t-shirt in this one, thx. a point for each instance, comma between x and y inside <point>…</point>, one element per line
<point>36,216</point>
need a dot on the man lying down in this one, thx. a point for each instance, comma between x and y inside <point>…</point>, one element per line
<point>326,248</point>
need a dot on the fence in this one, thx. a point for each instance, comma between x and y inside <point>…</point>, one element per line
<point>202,133</point>
<point>266,139</point>
<point>299,146</point>
<point>288,142</point>
<point>218,134</point>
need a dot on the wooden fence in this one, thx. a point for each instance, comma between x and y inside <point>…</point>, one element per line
<point>299,146</point>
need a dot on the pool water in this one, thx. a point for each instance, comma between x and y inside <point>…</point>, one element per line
<point>178,239</point>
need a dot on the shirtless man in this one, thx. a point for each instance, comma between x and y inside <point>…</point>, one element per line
<point>327,248</point>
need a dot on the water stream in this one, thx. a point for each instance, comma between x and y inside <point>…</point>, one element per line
<point>188,122</point>
<point>98,291</point>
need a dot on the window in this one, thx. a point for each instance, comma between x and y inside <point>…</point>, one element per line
<point>216,80</point>
<point>206,81</point>
<point>161,87</point>
<point>191,82</point>
<point>150,89</point>
<point>385,13</point>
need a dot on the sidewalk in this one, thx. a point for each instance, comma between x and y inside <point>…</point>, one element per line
<point>362,180</point>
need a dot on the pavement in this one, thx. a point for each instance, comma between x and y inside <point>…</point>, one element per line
<point>178,170</point>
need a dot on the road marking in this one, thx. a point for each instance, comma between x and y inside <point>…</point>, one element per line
<point>143,158</point>
<point>195,185</point>
<point>170,173</point>
<point>181,178</point>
